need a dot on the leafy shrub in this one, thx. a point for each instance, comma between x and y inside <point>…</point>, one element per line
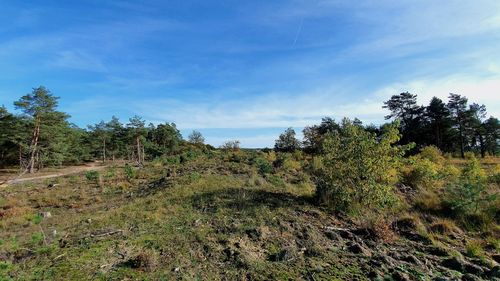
<point>129,172</point>
<point>171,160</point>
<point>92,176</point>
<point>420,172</point>
<point>286,162</point>
<point>357,165</point>
<point>316,164</point>
<point>264,166</point>
<point>432,154</point>
<point>470,195</point>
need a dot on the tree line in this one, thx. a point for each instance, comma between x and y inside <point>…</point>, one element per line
<point>42,136</point>
<point>454,127</point>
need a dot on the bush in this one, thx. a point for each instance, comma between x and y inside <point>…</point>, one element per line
<point>264,166</point>
<point>469,195</point>
<point>286,162</point>
<point>357,164</point>
<point>92,176</point>
<point>432,154</point>
<point>420,172</point>
<point>129,172</point>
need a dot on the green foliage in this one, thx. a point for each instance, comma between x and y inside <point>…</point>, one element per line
<point>129,172</point>
<point>92,176</point>
<point>358,167</point>
<point>287,142</point>
<point>37,219</point>
<point>264,166</point>
<point>287,162</point>
<point>432,154</point>
<point>470,195</point>
<point>420,172</point>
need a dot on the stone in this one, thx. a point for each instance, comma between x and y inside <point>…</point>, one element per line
<point>45,214</point>
<point>454,264</point>
<point>437,251</point>
<point>411,259</point>
<point>496,257</point>
<point>470,277</point>
<point>494,272</point>
<point>473,269</point>
<point>400,276</point>
<point>358,249</point>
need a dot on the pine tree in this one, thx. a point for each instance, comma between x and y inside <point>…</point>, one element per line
<point>40,105</point>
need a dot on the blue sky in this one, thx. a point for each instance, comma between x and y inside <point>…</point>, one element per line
<point>247,69</point>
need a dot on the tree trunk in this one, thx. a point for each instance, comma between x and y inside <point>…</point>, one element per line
<point>481,144</point>
<point>20,157</point>
<point>104,150</point>
<point>462,154</point>
<point>34,144</point>
<point>138,144</point>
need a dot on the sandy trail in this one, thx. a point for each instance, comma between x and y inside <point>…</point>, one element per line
<point>62,172</point>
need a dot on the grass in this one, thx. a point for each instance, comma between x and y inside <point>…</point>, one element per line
<point>210,220</point>
<point>198,225</point>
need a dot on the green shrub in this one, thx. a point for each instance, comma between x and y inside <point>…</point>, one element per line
<point>92,176</point>
<point>357,168</point>
<point>129,172</point>
<point>420,172</point>
<point>172,160</point>
<point>470,195</point>
<point>432,154</point>
<point>286,162</point>
<point>264,166</point>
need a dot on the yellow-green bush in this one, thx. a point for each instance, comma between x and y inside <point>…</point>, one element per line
<point>469,197</point>
<point>357,164</point>
<point>420,172</point>
<point>432,154</point>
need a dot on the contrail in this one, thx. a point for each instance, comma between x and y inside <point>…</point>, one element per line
<point>298,32</point>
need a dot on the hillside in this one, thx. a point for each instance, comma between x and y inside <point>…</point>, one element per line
<point>214,215</point>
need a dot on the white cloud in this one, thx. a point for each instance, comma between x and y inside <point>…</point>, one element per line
<point>299,110</point>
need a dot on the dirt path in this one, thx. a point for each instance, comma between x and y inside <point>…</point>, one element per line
<point>62,172</point>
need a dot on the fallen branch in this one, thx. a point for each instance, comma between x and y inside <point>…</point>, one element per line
<point>60,256</point>
<point>106,234</point>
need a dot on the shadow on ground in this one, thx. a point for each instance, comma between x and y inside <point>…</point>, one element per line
<point>246,200</point>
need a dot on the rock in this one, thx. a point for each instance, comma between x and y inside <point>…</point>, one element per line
<point>176,269</point>
<point>400,276</point>
<point>45,214</point>
<point>358,249</point>
<point>346,234</point>
<point>439,278</point>
<point>470,277</point>
<point>253,234</point>
<point>496,257</point>
<point>383,260</point>
<point>411,259</point>
<point>473,269</point>
<point>332,235</point>
<point>454,263</point>
<point>283,255</point>
<point>494,272</point>
<point>437,251</point>
<point>404,225</point>
<point>417,237</point>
